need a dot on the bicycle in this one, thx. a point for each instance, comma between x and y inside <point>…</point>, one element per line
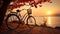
<point>14,19</point>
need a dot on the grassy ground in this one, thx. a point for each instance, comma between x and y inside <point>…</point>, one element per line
<point>24,29</point>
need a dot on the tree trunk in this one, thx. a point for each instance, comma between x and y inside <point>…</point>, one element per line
<point>3,10</point>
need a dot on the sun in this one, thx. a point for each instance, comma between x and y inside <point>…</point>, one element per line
<point>49,12</point>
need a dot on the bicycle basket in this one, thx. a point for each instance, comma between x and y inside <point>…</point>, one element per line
<point>29,11</point>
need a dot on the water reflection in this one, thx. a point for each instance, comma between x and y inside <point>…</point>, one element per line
<point>53,21</point>
<point>48,20</point>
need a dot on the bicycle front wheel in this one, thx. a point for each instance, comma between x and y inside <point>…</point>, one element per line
<point>31,21</point>
<point>12,21</point>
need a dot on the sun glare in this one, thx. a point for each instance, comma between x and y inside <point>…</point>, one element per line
<point>48,12</point>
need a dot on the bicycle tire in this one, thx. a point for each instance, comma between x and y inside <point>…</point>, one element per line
<point>17,23</point>
<point>31,25</point>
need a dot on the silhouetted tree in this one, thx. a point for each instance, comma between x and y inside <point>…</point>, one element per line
<point>3,8</point>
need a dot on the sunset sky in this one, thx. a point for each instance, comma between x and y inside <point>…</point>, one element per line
<point>46,9</point>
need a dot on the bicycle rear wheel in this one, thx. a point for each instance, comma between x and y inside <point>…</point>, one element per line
<point>12,21</point>
<point>31,22</point>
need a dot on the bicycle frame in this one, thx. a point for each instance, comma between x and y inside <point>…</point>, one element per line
<point>26,15</point>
